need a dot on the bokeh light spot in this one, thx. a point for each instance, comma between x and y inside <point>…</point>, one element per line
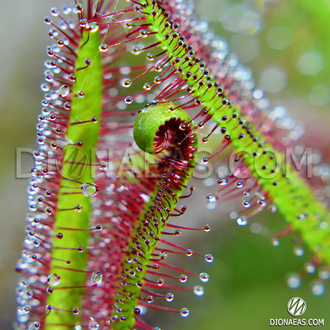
<point>319,95</point>
<point>310,63</point>
<point>239,19</point>
<point>273,80</point>
<point>246,47</point>
<point>279,37</point>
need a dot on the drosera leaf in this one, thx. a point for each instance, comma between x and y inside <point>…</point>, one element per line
<point>195,86</point>
<point>156,130</point>
<point>130,210</point>
<point>290,193</point>
<point>147,124</point>
<point>73,210</point>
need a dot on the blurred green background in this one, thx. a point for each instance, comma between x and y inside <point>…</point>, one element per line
<point>287,45</point>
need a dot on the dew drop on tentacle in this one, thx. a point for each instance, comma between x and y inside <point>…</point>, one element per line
<point>89,189</point>
<point>126,83</point>
<point>48,20</point>
<point>75,311</point>
<point>78,208</point>
<point>59,235</point>
<point>239,184</point>
<point>207,228</point>
<point>103,166</point>
<point>183,278</point>
<point>93,325</point>
<point>49,308</point>
<point>147,86</point>
<point>49,211</point>
<point>83,22</point>
<point>246,204</point>
<point>189,253</point>
<point>64,91</point>
<point>79,8</point>
<point>160,282</point>
<point>96,278</point>
<point>242,221</point>
<point>184,312</point>
<point>136,50</point>
<point>169,297</point>
<point>34,326</point>
<point>222,182</point>
<point>137,311</point>
<point>103,48</point>
<point>128,100</point>
<point>212,198</point>
<point>209,258</point>
<point>198,290</point>
<point>204,277</point>
<point>23,313</point>
<point>81,94</point>
<point>182,127</point>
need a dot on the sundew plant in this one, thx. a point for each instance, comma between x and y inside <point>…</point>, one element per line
<point>133,92</point>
